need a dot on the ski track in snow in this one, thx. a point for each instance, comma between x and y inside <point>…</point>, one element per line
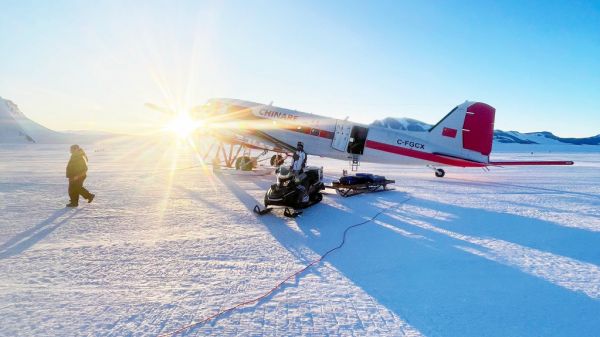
<point>511,252</point>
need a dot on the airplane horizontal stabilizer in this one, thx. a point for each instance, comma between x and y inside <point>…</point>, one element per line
<point>530,163</point>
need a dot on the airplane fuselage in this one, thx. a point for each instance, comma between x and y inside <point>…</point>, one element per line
<point>343,139</point>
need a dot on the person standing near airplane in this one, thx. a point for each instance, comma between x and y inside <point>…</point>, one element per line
<point>299,159</point>
<point>76,173</point>
<point>297,168</point>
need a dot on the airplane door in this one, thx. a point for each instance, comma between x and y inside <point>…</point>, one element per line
<point>342,135</point>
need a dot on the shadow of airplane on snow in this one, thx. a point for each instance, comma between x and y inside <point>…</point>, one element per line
<point>437,274</point>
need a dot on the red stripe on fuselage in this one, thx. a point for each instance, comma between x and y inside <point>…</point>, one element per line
<point>422,155</point>
<point>309,130</point>
<point>326,134</point>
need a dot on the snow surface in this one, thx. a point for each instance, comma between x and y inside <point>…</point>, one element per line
<point>511,252</point>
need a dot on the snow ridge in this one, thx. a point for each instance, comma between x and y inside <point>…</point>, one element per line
<point>10,129</point>
<point>16,128</point>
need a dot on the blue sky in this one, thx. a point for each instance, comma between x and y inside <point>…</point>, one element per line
<point>93,64</point>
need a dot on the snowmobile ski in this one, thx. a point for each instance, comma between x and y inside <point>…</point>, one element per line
<point>264,211</point>
<point>291,213</point>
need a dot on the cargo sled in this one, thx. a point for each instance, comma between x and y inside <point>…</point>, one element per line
<point>348,186</point>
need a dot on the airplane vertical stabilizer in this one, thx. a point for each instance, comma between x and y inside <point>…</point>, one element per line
<point>466,132</point>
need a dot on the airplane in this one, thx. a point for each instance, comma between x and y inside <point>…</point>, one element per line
<point>463,138</point>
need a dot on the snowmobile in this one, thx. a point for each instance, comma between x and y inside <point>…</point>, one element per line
<point>294,192</point>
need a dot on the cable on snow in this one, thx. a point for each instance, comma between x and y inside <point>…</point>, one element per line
<point>272,290</point>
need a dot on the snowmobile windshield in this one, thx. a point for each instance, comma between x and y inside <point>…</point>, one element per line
<point>284,176</point>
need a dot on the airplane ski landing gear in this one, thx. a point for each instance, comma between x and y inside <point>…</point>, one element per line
<point>277,160</point>
<point>438,171</point>
<point>244,163</point>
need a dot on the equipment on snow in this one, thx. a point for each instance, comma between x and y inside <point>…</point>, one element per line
<point>348,186</point>
<point>294,191</point>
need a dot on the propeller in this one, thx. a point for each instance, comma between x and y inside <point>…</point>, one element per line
<point>161,109</point>
<point>199,111</point>
<point>184,122</point>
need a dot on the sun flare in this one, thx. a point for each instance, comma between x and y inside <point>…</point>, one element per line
<point>183,125</point>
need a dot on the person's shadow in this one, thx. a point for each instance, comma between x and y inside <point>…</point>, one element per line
<point>25,240</point>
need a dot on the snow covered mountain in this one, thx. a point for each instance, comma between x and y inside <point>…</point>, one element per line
<point>11,130</point>
<point>506,137</point>
<point>543,137</point>
<point>407,124</point>
<point>15,127</point>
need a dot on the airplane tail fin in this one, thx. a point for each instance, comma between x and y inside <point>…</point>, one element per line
<point>466,132</point>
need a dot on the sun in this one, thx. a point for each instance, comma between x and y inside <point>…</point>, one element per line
<point>183,125</point>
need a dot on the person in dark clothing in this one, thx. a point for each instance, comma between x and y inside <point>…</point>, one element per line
<point>76,172</point>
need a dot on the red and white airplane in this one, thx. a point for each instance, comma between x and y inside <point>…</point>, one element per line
<point>463,138</point>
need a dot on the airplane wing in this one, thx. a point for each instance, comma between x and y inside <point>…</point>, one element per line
<point>254,139</point>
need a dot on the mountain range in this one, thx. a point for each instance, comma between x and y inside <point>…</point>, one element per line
<point>505,137</point>
<point>15,127</point>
